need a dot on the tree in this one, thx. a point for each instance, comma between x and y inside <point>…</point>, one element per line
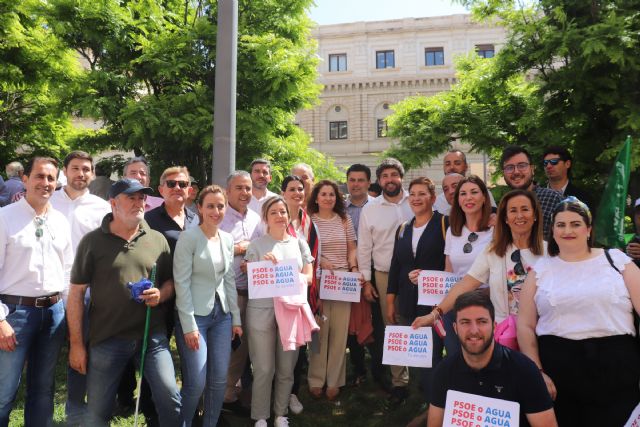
<point>38,77</point>
<point>569,73</point>
<point>151,75</point>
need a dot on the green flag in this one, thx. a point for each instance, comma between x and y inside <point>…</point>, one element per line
<point>609,227</point>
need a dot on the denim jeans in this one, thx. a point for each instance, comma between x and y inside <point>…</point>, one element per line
<point>207,365</point>
<point>107,361</point>
<point>40,333</point>
<point>75,408</point>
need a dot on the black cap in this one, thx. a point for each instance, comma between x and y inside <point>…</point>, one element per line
<point>127,186</point>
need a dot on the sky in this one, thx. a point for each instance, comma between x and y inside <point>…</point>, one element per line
<point>340,11</point>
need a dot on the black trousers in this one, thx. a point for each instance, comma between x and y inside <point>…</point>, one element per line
<point>596,379</point>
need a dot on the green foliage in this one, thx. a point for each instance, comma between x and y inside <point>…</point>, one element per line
<point>568,74</point>
<point>151,77</point>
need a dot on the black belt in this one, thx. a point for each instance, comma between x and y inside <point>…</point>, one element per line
<point>38,302</point>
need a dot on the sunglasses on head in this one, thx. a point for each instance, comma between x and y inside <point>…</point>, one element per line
<point>518,268</point>
<point>468,247</point>
<point>171,183</point>
<point>552,161</point>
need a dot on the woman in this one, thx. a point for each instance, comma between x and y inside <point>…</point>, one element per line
<point>265,350</point>
<point>419,246</point>
<point>338,247</point>
<point>580,305</point>
<point>207,310</point>
<point>516,245</point>
<point>468,234</point>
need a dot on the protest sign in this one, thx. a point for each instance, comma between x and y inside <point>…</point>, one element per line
<point>433,285</point>
<point>405,346</point>
<point>634,419</point>
<point>340,286</point>
<point>267,279</point>
<point>472,410</point>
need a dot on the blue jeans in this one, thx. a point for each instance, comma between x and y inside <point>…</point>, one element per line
<point>40,333</point>
<point>207,365</point>
<point>76,408</point>
<point>107,361</point>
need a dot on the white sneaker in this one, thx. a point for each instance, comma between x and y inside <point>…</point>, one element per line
<point>261,423</point>
<point>281,422</point>
<point>294,404</point>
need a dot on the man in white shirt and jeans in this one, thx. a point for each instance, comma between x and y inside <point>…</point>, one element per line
<point>379,220</point>
<point>35,262</point>
<point>84,211</point>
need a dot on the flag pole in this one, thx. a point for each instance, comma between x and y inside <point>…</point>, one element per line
<point>144,348</point>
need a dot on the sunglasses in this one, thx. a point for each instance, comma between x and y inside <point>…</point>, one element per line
<point>171,183</point>
<point>553,162</point>
<point>518,268</point>
<point>468,247</point>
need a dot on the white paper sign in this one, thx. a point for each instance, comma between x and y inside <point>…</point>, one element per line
<point>340,286</point>
<point>267,280</point>
<point>634,419</point>
<point>433,285</point>
<point>472,410</point>
<point>405,346</point>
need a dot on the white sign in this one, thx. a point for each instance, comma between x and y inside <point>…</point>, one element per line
<point>405,346</point>
<point>433,285</point>
<point>267,280</point>
<point>634,419</point>
<point>340,286</point>
<point>472,410</point>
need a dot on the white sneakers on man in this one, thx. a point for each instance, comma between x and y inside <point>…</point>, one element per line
<point>260,423</point>
<point>294,405</point>
<point>281,422</point>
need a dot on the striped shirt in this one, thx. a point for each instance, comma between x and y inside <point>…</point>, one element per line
<point>334,234</point>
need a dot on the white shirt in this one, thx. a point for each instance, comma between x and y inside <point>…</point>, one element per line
<point>84,214</point>
<point>415,236</point>
<point>256,204</point>
<point>583,299</point>
<point>32,266</point>
<point>453,247</point>
<point>379,220</point>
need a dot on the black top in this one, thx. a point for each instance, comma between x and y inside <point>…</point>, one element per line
<point>429,256</point>
<point>584,197</point>
<point>510,375</point>
<point>159,220</point>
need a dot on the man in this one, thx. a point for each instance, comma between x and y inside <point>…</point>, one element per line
<point>101,185</point>
<point>557,162</point>
<point>123,250</point>
<point>244,225</point>
<point>518,174</point>
<point>192,198</point>
<point>449,186</point>
<point>379,220</point>
<point>260,179</point>
<point>13,185</point>
<point>35,259</point>
<point>84,212</point>
<point>305,172</point>
<point>138,168</point>
<point>358,180</point>
<point>486,368</point>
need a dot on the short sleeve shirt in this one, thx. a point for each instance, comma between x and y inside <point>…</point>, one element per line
<point>334,234</point>
<point>453,247</point>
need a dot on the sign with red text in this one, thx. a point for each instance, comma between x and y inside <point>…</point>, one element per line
<point>433,285</point>
<point>405,346</point>
<point>634,419</point>
<point>340,286</point>
<point>267,280</point>
<point>472,410</point>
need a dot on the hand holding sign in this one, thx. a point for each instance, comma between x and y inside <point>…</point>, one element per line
<point>433,285</point>
<point>267,280</point>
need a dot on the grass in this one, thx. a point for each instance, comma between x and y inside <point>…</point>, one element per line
<point>364,405</point>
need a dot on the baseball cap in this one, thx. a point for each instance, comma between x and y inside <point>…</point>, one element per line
<point>127,186</point>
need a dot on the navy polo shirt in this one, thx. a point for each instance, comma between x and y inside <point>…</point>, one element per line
<point>159,220</point>
<point>510,375</point>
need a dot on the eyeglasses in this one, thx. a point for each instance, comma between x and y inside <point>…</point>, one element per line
<point>553,162</point>
<point>518,268</point>
<point>468,247</point>
<point>522,166</point>
<point>171,183</point>
<point>39,221</point>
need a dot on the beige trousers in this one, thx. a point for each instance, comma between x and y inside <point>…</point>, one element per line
<point>399,374</point>
<point>238,357</point>
<point>329,366</point>
<point>268,360</point>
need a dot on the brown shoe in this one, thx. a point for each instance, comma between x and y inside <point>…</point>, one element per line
<point>332,392</point>
<point>316,392</point>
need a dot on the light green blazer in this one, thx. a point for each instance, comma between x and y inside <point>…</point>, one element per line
<point>196,281</point>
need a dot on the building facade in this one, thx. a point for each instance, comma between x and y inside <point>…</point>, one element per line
<point>368,66</point>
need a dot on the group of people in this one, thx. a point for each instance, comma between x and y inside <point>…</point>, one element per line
<point>539,317</point>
